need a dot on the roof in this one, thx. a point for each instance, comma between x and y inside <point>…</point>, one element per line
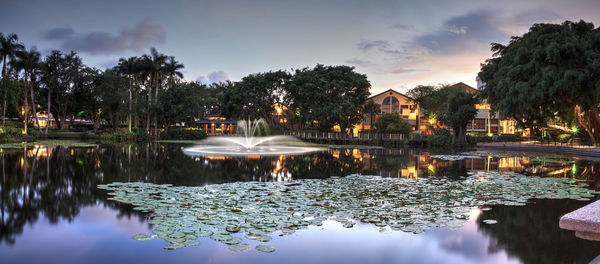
<point>468,87</point>
<point>390,90</point>
<point>227,122</point>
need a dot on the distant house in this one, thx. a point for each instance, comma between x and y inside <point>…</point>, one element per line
<point>216,124</point>
<point>392,101</point>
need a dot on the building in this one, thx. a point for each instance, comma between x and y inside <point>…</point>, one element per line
<point>392,101</point>
<point>216,125</point>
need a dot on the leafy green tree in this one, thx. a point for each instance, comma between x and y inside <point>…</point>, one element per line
<point>128,68</point>
<point>330,95</point>
<point>450,104</point>
<point>8,49</point>
<point>461,110</point>
<point>370,108</point>
<point>61,74</point>
<point>254,96</point>
<point>182,102</point>
<point>28,62</point>
<point>550,72</point>
<point>392,124</point>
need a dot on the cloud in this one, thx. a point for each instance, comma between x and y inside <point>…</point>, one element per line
<point>375,44</point>
<point>473,31</point>
<point>143,35</point>
<point>458,30</point>
<point>408,70</point>
<point>359,62</point>
<point>404,27</point>
<point>213,77</point>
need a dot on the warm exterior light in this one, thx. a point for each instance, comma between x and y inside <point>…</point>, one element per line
<point>575,129</point>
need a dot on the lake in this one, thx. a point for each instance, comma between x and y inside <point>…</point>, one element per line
<point>54,212</point>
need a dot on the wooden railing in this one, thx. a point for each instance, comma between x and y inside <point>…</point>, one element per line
<point>317,135</point>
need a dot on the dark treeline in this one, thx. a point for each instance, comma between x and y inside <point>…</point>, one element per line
<point>147,93</point>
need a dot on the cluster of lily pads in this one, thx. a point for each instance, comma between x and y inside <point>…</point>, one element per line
<point>234,213</point>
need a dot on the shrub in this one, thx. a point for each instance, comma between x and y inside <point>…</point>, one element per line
<point>125,136</point>
<point>564,137</point>
<point>440,138</point>
<point>183,133</point>
<point>391,123</point>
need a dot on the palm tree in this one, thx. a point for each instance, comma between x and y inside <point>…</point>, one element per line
<point>171,68</point>
<point>153,66</point>
<point>8,48</point>
<point>27,61</point>
<point>128,67</point>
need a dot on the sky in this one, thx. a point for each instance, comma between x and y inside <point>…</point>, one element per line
<point>397,44</point>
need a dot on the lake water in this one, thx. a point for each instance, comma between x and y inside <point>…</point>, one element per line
<point>54,212</point>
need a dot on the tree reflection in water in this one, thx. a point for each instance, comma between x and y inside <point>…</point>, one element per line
<point>55,183</point>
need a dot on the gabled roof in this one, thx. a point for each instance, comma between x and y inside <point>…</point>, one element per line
<point>390,90</point>
<point>467,87</point>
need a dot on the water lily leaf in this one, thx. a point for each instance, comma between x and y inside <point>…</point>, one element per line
<point>265,248</point>
<point>143,237</point>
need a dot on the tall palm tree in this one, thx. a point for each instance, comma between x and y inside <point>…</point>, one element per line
<point>172,69</point>
<point>8,48</point>
<point>27,61</point>
<point>128,67</point>
<point>153,66</point>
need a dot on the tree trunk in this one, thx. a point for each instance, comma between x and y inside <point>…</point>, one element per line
<point>149,103</point>
<point>48,113</point>
<point>583,124</point>
<point>130,106</point>
<point>25,106</point>
<point>156,104</point>
<point>4,88</point>
<point>37,121</point>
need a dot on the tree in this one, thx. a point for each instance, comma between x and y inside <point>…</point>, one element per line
<point>152,66</point>
<point>329,95</point>
<point>371,109</point>
<point>450,104</point>
<point>182,102</point>
<point>128,67</point>
<point>8,49</point>
<point>550,72</point>
<point>61,74</point>
<point>254,96</point>
<point>461,110</point>
<point>28,61</point>
<point>392,123</point>
<point>433,100</point>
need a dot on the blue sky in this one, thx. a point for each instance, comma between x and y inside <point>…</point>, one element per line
<point>398,44</point>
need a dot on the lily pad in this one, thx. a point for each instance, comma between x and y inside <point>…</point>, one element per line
<point>265,248</point>
<point>143,237</point>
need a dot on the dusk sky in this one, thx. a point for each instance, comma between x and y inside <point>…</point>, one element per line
<point>398,44</point>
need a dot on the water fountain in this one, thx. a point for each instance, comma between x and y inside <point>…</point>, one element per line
<point>251,143</point>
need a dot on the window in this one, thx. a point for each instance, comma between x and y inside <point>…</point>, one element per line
<point>390,105</point>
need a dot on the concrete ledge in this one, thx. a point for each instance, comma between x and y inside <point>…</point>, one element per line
<point>588,236</point>
<point>585,221</point>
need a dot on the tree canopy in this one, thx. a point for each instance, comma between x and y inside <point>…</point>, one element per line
<point>392,123</point>
<point>332,95</point>
<point>450,104</point>
<point>550,72</point>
